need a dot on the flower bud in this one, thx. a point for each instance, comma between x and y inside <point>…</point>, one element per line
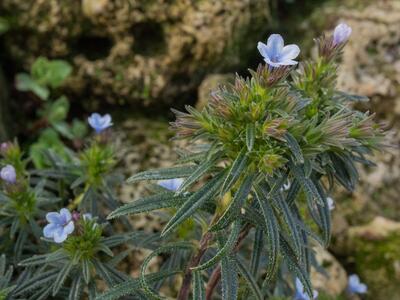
<point>8,174</point>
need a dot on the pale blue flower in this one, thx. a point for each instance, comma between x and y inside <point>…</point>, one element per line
<point>341,34</point>
<point>301,294</point>
<point>171,184</point>
<point>60,225</point>
<point>331,203</point>
<point>99,123</point>
<point>276,54</point>
<point>355,286</point>
<point>8,174</point>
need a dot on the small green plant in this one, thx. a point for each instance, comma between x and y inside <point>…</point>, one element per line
<point>44,78</point>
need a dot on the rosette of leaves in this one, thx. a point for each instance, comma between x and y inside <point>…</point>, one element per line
<point>280,127</point>
<point>22,204</point>
<point>73,269</point>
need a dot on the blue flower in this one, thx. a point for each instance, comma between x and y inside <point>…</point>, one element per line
<point>8,174</point>
<point>331,203</point>
<point>301,294</point>
<point>355,286</point>
<point>99,123</point>
<point>341,34</point>
<point>275,54</point>
<point>60,225</point>
<point>171,184</point>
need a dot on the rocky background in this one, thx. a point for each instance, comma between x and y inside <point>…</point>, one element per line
<point>137,58</point>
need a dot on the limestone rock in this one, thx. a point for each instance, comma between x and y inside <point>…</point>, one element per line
<point>137,51</point>
<point>334,282</point>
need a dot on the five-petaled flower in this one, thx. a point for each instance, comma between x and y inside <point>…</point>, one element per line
<point>341,34</point>
<point>8,174</point>
<point>99,123</point>
<point>60,225</point>
<point>355,286</point>
<point>301,294</point>
<point>276,54</point>
<point>171,184</point>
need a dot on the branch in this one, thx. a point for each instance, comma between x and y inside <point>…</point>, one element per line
<point>216,274</point>
<point>195,260</point>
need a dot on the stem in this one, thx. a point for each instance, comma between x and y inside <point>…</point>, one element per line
<point>216,274</point>
<point>195,260</point>
<point>78,199</point>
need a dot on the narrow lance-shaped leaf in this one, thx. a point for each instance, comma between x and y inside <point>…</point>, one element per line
<point>236,204</point>
<point>150,203</point>
<point>250,136</point>
<point>251,281</point>
<point>199,291</point>
<point>193,203</point>
<point>229,278</point>
<point>62,275</point>
<point>296,266</point>
<point>294,148</point>
<point>166,173</point>
<point>164,249</point>
<point>237,168</point>
<point>271,228</point>
<point>225,250</point>
<point>202,169</point>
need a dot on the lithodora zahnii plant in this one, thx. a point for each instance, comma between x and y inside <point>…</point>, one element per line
<point>264,155</point>
<point>21,202</point>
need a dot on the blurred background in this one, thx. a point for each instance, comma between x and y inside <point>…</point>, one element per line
<point>61,60</point>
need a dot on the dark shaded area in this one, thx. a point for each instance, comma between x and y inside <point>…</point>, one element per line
<point>149,39</point>
<point>92,47</point>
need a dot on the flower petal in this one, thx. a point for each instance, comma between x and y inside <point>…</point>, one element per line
<point>263,49</point>
<point>48,230</point>
<point>274,45</point>
<point>65,215</point>
<point>271,63</point>
<point>69,228</point>
<point>59,238</point>
<point>53,217</point>
<point>289,52</point>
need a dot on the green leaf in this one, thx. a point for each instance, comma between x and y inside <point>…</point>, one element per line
<point>86,270</point>
<point>150,203</point>
<point>62,275</point>
<point>308,186</point>
<point>200,171</point>
<point>76,288</point>
<point>37,260</point>
<point>41,279</point>
<point>236,204</point>
<point>251,281</point>
<point>193,203</point>
<point>225,250</point>
<point>294,148</point>
<point>166,173</point>
<point>271,229</point>
<point>164,249</point>
<point>50,73</point>
<point>25,83</point>
<point>237,168</point>
<point>199,291</point>
<point>229,278</point>
<point>58,110</point>
<point>296,267</point>
<point>257,251</point>
<point>250,136</point>
<point>133,286</point>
